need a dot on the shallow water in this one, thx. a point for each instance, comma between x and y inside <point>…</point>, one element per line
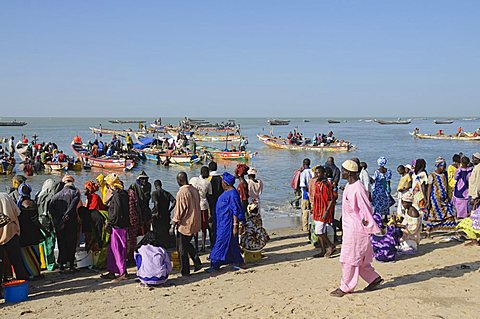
<point>275,167</point>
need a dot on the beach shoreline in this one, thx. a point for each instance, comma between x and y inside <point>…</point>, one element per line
<point>439,282</point>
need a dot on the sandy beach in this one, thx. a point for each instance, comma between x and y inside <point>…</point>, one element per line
<point>441,281</point>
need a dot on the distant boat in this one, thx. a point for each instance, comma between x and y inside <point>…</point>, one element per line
<point>383,122</point>
<point>306,121</point>
<point>464,137</point>
<point>278,122</point>
<point>126,121</point>
<point>13,123</point>
<point>471,119</point>
<point>333,121</point>
<point>443,121</point>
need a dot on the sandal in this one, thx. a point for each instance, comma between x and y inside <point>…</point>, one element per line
<point>374,284</point>
<point>108,276</point>
<point>338,293</point>
<point>330,252</point>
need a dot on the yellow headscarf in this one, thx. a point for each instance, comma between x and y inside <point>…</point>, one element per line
<point>113,181</point>
<point>103,187</point>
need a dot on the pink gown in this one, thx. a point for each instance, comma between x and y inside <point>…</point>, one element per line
<point>357,253</point>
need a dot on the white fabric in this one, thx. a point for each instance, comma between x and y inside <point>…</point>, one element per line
<point>204,187</point>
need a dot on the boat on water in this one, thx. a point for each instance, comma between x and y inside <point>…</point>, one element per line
<point>283,143</point>
<point>471,119</point>
<point>105,162</point>
<point>278,122</point>
<point>169,155</point>
<point>108,131</point>
<point>23,150</point>
<point>126,121</point>
<point>12,123</point>
<point>333,121</point>
<point>228,137</point>
<point>306,121</point>
<point>220,154</point>
<point>56,166</point>
<point>464,136</point>
<point>399,121</point>
<point>443,121</point>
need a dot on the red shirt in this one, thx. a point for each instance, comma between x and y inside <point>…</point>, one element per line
<point>95,202</point>
<point>322,197</point>
<point>243,190</point>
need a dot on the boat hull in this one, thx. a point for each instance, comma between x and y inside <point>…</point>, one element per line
<point>63,166</point>
<point>283,144</point>
<point>209,138</point>
<point>104,163</point>
<point>174,159</point>
<point>445,137</point>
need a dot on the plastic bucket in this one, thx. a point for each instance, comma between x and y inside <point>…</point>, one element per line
<point>84,259</point>
<point>15,291</point>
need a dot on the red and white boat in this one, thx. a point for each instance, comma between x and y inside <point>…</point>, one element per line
<point>104,162</point>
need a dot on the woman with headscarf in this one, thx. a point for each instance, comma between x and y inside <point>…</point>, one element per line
<point>441,212</point>
<point>17,180</point>
<point>419,185</point>
<point>229,214</point>
<point>43,200</point>
<point>104,191</point>
<point>93,217</point>
<point>255,187</point>
<point>254,236</point>
<point>381,188</point>
<point>10,238</point>
<point>152,261</point>
<point>63,208</point>
<point>31,231</point>
<point>242,188</point>
<point>117,226</point>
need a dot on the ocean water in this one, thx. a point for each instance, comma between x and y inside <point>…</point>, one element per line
<point>275,167</point>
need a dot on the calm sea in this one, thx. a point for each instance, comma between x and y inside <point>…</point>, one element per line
<point>275,167</point>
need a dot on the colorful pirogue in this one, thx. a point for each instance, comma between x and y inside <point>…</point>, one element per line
<point>283,143</point>
<point>107,162</point>
<point>462,137</point>
<point>228,137</point>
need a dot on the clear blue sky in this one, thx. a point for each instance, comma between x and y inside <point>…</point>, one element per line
<point>239,58</point>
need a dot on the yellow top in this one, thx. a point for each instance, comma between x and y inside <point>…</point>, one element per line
<point>451,170</point>
<point>405,182</point>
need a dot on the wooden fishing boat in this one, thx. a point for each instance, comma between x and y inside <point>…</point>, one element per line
<point>443,121</point>
<point>230,137</point>
<point>283,143</point>
<point>160,155</point>
<point>56,166</point>
<point>12,123</point>
<point>126,121</point>
<point>333,121</point>
<point>463,137</point>
<point>219,154</point>
<point>101,162</point>
<point>278,122</point>
<point>108,131</point>
<point>23,150</point>
<point>383,122</point>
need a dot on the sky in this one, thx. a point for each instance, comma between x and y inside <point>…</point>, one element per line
<point>239,58</point>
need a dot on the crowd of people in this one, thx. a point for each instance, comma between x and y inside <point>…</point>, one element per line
<point>297,138</point>
<point>132,225</point>
<point>446,200</point>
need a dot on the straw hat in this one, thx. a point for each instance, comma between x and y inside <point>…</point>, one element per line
<point>350,166</point>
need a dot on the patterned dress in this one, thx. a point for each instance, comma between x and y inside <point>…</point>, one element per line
<point>255,237</point>
<point>441,216</point>
<point>380,195</point>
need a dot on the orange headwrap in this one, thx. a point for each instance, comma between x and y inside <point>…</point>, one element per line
<point>241,170</point>
<point>91,186</point>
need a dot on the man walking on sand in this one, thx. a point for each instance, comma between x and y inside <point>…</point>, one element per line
<point>358,224</point>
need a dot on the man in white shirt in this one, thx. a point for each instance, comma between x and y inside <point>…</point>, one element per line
<point>204,187</point>
<point>305,177</point>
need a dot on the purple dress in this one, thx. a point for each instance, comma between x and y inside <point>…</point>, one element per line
<point>460,192</point>
<point>385,246</point>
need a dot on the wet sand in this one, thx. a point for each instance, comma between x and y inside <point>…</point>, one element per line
<point>442,281</point>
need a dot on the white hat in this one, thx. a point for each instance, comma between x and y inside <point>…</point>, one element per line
<point>350,166</point>
<point>476,155</point>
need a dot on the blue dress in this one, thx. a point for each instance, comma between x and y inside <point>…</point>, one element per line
<point>380,195</point>
<point>227,249</point>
